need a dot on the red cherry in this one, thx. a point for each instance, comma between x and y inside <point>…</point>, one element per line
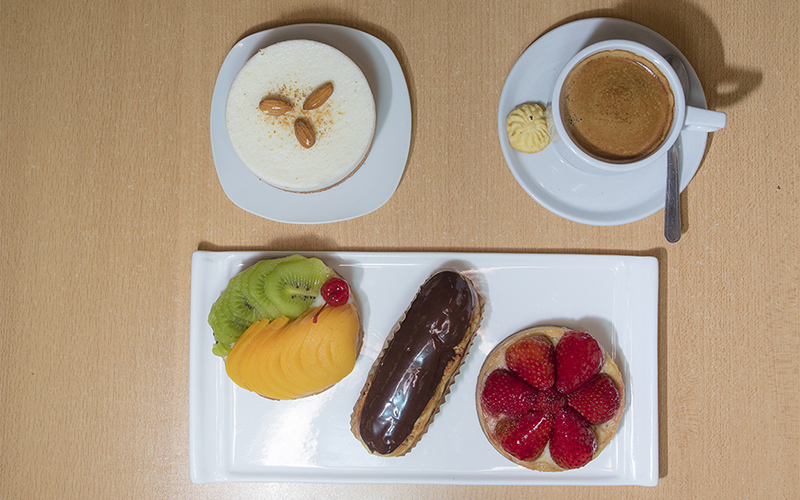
<point>336,292</point>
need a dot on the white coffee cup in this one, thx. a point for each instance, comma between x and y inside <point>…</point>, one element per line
<point>684,117</point>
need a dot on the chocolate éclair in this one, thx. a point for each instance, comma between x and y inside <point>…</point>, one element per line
<point>411,377</point>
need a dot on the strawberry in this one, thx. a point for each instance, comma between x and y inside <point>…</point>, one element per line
<point>598,400</point>
<point>533,359</point>
<point>506,393</point>
<point>572,442</point>
<point>549,401</point>
<point>579,358</point>
<point>525,436</point>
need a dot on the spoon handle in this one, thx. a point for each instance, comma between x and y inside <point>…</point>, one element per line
<point>672,207</point>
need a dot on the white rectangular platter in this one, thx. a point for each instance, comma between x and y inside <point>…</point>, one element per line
<point>236,435</point>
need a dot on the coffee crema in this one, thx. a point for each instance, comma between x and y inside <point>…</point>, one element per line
<point>617,106</point>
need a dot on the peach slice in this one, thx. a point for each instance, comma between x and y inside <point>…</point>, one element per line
<point>234,358</point>
<point>283,359</point>
<point>304,329</point>
<point>330,354</point>
<point>276,369</point>
<point>253,354</point>
<point>327,330</point>
<point>336,330</point>
<point>268,366</point>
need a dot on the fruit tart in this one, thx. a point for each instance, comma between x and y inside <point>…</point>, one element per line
<point>550,398</point>
<point>287,327</point>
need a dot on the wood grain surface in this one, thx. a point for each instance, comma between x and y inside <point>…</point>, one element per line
<point>107,186</point>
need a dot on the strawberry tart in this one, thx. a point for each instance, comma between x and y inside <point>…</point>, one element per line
<point>550,398</point>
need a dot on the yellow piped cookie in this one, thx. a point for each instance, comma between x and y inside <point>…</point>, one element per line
<point>527,128</point>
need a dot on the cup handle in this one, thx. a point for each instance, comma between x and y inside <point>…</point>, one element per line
<point>703,120</point>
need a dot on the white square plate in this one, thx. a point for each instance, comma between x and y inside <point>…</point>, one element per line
<point>236,435</point>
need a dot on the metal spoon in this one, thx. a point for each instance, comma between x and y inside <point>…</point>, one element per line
<point>672,205</point>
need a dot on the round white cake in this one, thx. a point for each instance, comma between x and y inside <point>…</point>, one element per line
<point>341,128</point>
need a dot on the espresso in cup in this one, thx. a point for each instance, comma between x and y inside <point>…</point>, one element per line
<point>617,106</point>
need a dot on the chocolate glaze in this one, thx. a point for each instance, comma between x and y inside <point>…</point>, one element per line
<point>415,360</point>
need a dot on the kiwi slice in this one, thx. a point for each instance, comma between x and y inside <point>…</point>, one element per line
<point>293,286</point>
<point>257,291</point>
<point>226,328</point>
<point>232,312</point>
<point>240,305</point>
<point>221,350</point>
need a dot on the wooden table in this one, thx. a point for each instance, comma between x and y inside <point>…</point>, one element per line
<point>108,185</point>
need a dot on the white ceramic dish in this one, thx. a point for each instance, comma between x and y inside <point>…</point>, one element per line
<point>236,435</point>
<point>374,182</point>
<point>595,199</point>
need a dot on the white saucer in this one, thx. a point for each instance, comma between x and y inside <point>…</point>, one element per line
<point>599,200</point>
<point>373,184</point>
